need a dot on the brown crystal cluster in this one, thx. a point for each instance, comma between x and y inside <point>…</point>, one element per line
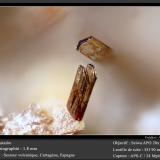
<point>81,91</point>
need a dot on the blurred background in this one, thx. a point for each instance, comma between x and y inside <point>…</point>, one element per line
<point>38,63</point>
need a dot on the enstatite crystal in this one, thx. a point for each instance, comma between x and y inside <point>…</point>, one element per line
<point>93,48</point>
<point>81,91</point>
<point>38,120</point>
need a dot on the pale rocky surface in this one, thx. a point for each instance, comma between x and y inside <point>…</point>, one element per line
<point>39,120</point>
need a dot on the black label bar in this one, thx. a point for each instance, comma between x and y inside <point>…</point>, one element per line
<point>80,147</point>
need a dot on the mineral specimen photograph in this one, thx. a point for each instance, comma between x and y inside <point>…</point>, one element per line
<point>79,70</point>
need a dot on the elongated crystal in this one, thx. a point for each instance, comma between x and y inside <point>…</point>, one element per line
<point>81,91</point>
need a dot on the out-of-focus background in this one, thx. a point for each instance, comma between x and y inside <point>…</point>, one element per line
<point>38,63</point>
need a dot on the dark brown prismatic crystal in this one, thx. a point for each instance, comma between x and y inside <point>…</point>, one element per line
<point>93,48</point>
<point>81,91</point>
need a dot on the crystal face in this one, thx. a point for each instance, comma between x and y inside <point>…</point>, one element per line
<point>93,48</point>
<point>81,91</point>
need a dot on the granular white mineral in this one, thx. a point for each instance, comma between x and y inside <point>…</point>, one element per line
<point>38,120</point>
